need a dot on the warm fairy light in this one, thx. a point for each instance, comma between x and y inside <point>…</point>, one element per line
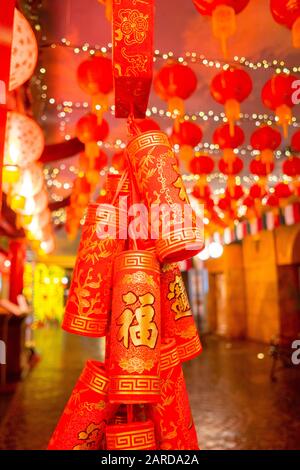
<point>215,250</point>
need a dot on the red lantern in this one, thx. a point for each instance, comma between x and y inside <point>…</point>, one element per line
<point>89,132</point>
<point>172,415</point>
<point>235,192</point>
<point>201,192</point>
<point>223,13</point>
<point>287,13</point>
<point>119,161</point>
<point>277,95</point>
<point>202,165</point>
<point>135,329</point>
<point>257,167</point>
<point>187,135</point>
<point>231,87</point>
<point>233,168</point>
<point>224,203</point>
<point>249,202</point>
<point>160,182</point>
<point>272,201</point>
<point>174,83</point>
<point>256,191</point>
<point>282,191</point>
<point>265,137</point>
<point>225,140</point>
<point>295,142</point>
<point>24,52</point>
<point>291,166</point>
<point>82,424</point>
<point>95,77</point>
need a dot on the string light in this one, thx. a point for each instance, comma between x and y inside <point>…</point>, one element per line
<point>187,57</point>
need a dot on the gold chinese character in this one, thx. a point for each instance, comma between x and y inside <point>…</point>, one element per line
<point>180,305</point>
<point>138,324</point>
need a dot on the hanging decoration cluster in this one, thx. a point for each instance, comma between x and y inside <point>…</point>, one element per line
<point>23,179</point>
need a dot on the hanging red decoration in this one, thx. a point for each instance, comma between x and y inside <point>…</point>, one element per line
<point>175,83</point>
<point>287,13</point>
<point>201,192</point>
<point>256,191</point>
<point>178,322</point>
<point>24,52</point>
<point>272,201</point>
<point>230,88</point>
<point>228,141</point>
<point>202,165</point>
<point>159,179</point>
<point>135,323</point>
<point>133,26</point>
<point>277,95</point>
<point>233,168</point>
<point>266,139</point>
<point>88,307</point>
<point>188,135</point>
<point>131,436</point>
<point>83,421</point>
<point>291,166</point>
<point>223,13</point>
<point>89,132</point>
<point>235,192</point>
<point>172,416</point>
<point>282,191</point>
<point>119,161</point>
<point>95,78</point>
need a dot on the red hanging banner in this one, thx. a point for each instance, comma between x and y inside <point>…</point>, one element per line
<point>132,55</point>
<point>6,29</point>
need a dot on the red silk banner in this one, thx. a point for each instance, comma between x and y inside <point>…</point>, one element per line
<point>6,28</point>
<point>132,55</point>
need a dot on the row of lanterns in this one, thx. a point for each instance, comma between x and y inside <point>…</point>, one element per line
<point>224,12</point>
<point>23,178</point>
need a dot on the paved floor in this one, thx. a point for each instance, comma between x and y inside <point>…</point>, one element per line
<point>235,405</point>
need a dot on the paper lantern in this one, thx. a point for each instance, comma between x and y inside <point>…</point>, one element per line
<point>83,421</point>
<point>266,139</point>
<point>256,191</point>
<point>29,184</point>
<point>88,306</point>
<point>259,168</point>
<point>224,139</point>
<point>272,201</point>
<point>282,191</point>
<point>291,166</point>
<point>287,13</point>
<point>223,13</point>
<point>224,203</point>
<point>135,329</point>
<point>235,192</point>
<point>24,143</point>
<point>131,436</point>
<point>95,77</point>
<point>24,52</point>
<point>201,192</point>
<point>188,135</point>
<point>230,88</point>
<point>202,165</point>
<point>160,182</point>
<point>172,415</point>
<point>175,83</point>
<point>89,131</point>
<point>178,319</point>
<point>119,161</point>
<point>234,167</point>
<point>277,95</point>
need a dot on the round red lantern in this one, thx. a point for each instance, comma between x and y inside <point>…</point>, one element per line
<point>256,191</point>
<point>231,168</point>
<point>287,13</point>
<point>202,165</point>
<point>95,77</point>
<point>119,161</point>
<point>234,192</point>
<point>277,95</point>
<point>265,137</point>
<point>257,167</point>
<point>224,139</point>
<point>291,166</point>
<point>175,83</point>
<point>89,132</point>
<point>231,87</point>
<point>295,142</point>
<point>202,192</point>
<point>24,52</point>
<point>188,135</point>
<point>249,202</point>
<point>272,201</point>
<point>224,203</point>
<point>223,13</point>
<point>282,190</point>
